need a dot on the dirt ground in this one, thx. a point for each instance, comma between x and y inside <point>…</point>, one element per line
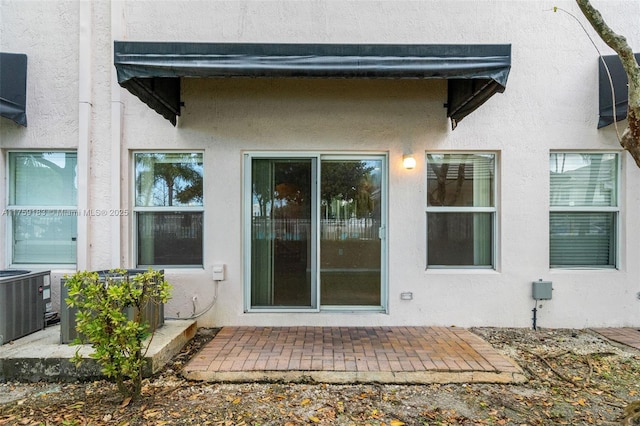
<point>575,377</point>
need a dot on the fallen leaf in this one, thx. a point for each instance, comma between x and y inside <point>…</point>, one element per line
<point>125,402</point>
<point>580,402</point>
<point>151,413</point>
<point>305,401</point>
<point>314,419</point>
<point>395,422</point>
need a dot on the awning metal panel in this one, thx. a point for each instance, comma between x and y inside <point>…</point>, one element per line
<point>620,89</point>
<point>140,65</point>
<point>13,87</point>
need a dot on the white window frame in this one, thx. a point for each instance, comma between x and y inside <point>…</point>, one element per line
<point>139,209</point>
<point>451,209</point>
<point>13,210</point>
<point>595,209</point>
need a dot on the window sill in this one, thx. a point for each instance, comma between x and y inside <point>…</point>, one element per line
<point>461,271</point>
<point>583,270</point>
<point>44,266</point>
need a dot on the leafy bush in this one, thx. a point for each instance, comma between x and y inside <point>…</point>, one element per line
<point>102,304</point>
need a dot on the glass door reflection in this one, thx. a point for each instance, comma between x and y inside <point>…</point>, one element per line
<point>281,234</point>
<point>350,227</point>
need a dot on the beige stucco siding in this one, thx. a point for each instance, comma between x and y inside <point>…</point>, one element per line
<point>550,103</point>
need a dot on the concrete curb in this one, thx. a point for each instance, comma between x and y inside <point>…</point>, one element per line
<point>41,357</point>
<point>338,377</point>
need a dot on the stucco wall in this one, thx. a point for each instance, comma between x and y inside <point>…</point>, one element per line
<point>551,103</point>
<point>48,33</point>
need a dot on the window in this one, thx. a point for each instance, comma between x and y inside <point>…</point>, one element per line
<point>43,194</point>
<point>583,220</point>
<point>168,208</point>
<point>461,210</point>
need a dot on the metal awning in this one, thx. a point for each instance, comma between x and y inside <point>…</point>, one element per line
<point>152,70</point>
<point>620,89</point>
<point>13,87</point>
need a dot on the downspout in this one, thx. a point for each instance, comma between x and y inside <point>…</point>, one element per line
<point>84,131</point>
<point>117,24</point>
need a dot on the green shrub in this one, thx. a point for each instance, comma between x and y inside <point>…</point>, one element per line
<point>102,304</point>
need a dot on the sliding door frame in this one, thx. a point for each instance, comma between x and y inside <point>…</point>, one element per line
<point>316,158</point>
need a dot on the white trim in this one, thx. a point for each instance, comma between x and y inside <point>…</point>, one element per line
<point>583,209</point>
<point>450,209</point>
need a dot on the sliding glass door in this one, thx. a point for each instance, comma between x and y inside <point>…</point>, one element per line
<point>315,232</point>
<point>350,231</point>
<point>281,234</point>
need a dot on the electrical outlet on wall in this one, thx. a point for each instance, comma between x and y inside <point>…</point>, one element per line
<point>219,272</point>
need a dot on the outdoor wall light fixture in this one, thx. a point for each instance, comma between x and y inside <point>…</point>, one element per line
<point>409,162</point>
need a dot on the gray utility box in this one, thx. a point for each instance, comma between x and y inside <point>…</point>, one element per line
<point>542,290</point>
<point>153,313</point>
<point>22,306</point>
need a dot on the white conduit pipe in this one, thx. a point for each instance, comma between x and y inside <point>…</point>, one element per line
<point>117,108</point>
<point>84,130</point>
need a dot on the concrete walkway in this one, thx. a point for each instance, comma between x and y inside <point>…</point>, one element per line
<point>351,355</point>
<point>41,357</point>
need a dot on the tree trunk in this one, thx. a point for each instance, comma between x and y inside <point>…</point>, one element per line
<point>630,139</point>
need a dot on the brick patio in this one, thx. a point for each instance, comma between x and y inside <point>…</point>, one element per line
<point>351,354</point>
<point>626,335</point>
